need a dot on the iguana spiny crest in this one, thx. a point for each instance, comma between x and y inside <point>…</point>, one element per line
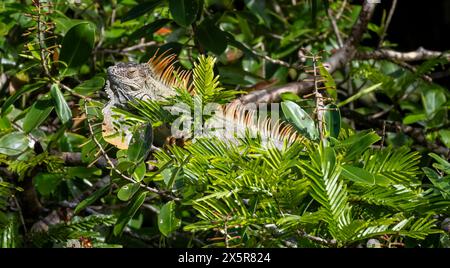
<point>156,80</point>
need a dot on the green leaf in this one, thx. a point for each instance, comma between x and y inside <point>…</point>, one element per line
<point>360,175</point>
<point>300,119</point>
<point>83,172</point>
<point>184,12</point>
<point>167,222</point>
<point>444,134</point>
<point>77,45</point>
<point>329,82</point>
<point>63,23</point>
<point>413,118</point>
<point>90,86</point>
<point>356,144</point>
<point>91,199</point>
<point>139,172</point>
<point>129,212</point>
<point>432,100</point>
<point>289,96</point>
<point>149,29</point>
<point>140,144</point>
<point>37,114</point>
<point>127,191</point>
<point>25,89</point>
<point>141,9</point>
<point>13,143</point>
<point>71,142</point>
<point>332,119</point>
<point>211,37</point>
<point>258,7</point>
<point>361,93</point>
<point>62,109</point>
<point>46,183</point>
<point>4,123</point>
<point>441,164</point>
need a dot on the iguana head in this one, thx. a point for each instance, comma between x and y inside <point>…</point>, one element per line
<point>153,80</point>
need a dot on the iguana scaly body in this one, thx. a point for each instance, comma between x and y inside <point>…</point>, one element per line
<point>156,81</point>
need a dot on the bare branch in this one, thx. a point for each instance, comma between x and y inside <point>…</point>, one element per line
<point>388,54</point>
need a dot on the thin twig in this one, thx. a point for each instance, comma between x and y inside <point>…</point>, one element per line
<point>335,28</point>
<point>316,238</point>
<point>388,22</point>
<point>22,219</point>
<point>129,49</point>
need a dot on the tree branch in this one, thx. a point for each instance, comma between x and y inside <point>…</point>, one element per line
<point>335,62</point>
<point>388,54</point>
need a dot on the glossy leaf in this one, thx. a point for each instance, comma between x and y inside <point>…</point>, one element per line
<point>90,86</point>
<point>332,117</point>
<point>361,93</point>
<point>149,29</point>
<point>139,172</point>
<point>300,119</point>
<point>211,37</point>
<point>37,114</point>
<point>140,144</point>
<point>184,12</point>
<point>433,99</point>
<point>129,212</point>
<point>127,191</point>
<point>141,9</point>
<point>167,222</point>
<point>77,45</point>
<point>413,118</point>
<point>25,89</point>
<point>289,96</point>
<point>360,175</point>
<point>83,172</point>
<point>62,109</point>
<point>13,143</point>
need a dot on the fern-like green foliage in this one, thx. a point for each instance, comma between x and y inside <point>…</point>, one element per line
<point>334,192</point>
<point>206,83</point>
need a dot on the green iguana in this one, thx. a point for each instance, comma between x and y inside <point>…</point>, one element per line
<point>156,81</point>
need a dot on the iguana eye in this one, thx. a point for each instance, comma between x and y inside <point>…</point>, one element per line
<point>133,73</point>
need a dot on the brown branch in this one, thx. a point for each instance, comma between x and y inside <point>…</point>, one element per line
<point>388,54</point>
<point>335,62</point>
